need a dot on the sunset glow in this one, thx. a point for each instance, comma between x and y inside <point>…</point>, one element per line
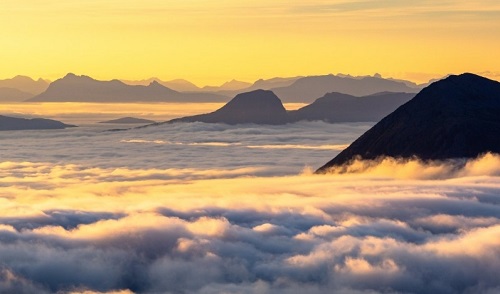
<point>210,42</point>
<point>250,147</point>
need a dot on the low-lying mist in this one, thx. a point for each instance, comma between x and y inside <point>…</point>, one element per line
<point>272,150</point>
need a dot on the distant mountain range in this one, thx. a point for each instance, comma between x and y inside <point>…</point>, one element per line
<point>308,89</point>
<point>21,88</point>
<point>8,123</point>
<point>272,83</point>
<point>13,95</point>
<point>303,89</point>
<point>264,107</point>
<point>73,88</point>
<point>262,84</point>
<point>458,117</point>
<point>182,85</point>
<point>178,85</point>
<point>230,88</point>
<point>300,89</point>
<point>232,85</point>
<point>25,84</point>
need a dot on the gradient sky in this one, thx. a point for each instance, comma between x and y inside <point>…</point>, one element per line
<point>211,41</point>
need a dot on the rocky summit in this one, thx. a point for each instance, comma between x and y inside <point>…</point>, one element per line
<point>259,107</point>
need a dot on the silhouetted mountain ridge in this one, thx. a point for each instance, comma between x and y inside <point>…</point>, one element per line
<point>232,85</point>
<point>259,107</point>
<point>458,117</point>
<point>25,84</point>
<point>308,89</point>
<point>182,85</point>
<point>268,84</point>
<point>264,107</point>
<point>73,88</point>
<point>13,95</point>
<point>338,107</point>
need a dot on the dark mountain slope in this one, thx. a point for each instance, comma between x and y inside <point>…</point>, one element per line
<point>458,117</point>
<point>337,107</point>
<point>263,107</point>
<point>259,107</point>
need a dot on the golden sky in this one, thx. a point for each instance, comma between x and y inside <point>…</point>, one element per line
<point>211,41</point>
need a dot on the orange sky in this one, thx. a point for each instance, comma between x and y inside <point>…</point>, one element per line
<point>209,42</point>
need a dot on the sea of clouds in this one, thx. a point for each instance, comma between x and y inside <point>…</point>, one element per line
<point>198,208</point>
<point>274,150</point>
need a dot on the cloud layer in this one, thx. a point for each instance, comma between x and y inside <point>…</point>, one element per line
<point>75,229</point>
<point>198,208</point>
<point>273,150</point>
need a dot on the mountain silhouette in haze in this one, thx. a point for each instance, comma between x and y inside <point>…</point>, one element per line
<point>308,89</point>
<point>338,107</point>
<point>273,83</point>
<point>232,85</point>
<point>8,123</point>
<point>182,85</point>
<point>25,84</point>
<point>128,120</point>
<point>259,107</point>
<point>299,89</point>
<point>458,117</point>
<point>179,85</point>
<point>264,107</point>
<point>234,88</point>
<point>13,95</point>
<point>73,88</point>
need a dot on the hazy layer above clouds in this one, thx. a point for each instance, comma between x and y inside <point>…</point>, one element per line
<point>91,113</point>
<point>274,150</point>
<point>207,208</point>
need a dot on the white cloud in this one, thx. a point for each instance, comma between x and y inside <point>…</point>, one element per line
<point>486,164</point>
<point>86,230</point>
